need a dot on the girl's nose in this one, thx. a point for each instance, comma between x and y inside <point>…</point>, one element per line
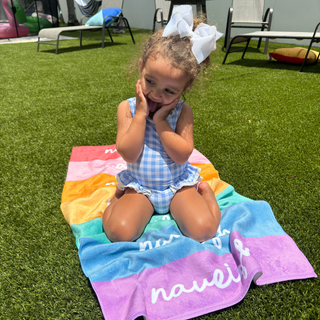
<point>156,94</point>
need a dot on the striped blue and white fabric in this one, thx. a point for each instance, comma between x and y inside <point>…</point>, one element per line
<point>88,8</point>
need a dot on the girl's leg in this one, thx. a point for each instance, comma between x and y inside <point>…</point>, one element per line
<point>196,212</point>
<point>126,216</point>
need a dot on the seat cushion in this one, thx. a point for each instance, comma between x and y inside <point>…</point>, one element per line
<point>97,19</point>
<point>294,55</point>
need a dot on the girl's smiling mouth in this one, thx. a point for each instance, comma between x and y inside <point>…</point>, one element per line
<point>153,106</point>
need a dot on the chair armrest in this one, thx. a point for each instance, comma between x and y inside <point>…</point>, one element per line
<point>315,30</point>
<point>228,28</point>
<point>155,14</point>
<point>116,18</point>
<point>269,12</point>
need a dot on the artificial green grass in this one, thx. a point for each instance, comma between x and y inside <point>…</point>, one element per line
<point>256,121</point>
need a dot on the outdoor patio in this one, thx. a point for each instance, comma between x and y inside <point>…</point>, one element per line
<point>256,121</point>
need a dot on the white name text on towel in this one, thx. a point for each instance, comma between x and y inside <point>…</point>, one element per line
<point>110,150</point>
<point>216,240</point>
<point>218,278</point>
<point>144,245</point>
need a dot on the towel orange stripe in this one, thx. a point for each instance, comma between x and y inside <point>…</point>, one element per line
<point>83,188</point>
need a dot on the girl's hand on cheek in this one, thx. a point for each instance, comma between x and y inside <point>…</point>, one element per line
<point>141,103</point>
<point>163,112</point>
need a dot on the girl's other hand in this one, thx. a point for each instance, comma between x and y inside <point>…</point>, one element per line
<point>162,113</point>
<point>141,102</point>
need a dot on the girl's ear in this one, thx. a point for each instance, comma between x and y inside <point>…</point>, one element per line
<point>188,87</point>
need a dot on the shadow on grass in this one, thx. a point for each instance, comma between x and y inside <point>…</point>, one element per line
<point>91,36</point>
<point>264,62</point>
<point>273,65</point>
<point>83,47</point>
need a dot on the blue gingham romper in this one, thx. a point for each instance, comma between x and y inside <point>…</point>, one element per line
<point>155,174</point>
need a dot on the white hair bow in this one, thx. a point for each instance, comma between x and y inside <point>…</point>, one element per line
<point>203,38</point>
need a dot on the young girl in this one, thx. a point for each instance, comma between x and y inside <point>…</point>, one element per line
<point>155,138</point>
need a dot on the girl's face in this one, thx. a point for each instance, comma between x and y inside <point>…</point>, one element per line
<point>161,83</point>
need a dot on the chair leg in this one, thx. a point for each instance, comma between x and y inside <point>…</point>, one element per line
<point>259,43</point>
<point>109,34</point>
<point>306,57</point>
<point>266,44</point>
<point>235,50</point>
<point>57,44</point>
<point>246,47</point>
<point>314,39</point>
<point>128,27</point>
<point>170,10</point>
<point>154,26</point>
<point>267,40</point>
<point>204,12</point>
<point>226,41</point>
<point>102,36</point>
<point>227,51</point>
<point>225,45</point>
<point>270,13</point>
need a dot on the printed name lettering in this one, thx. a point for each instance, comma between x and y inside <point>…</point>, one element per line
<point>238,245</point>
<point>216,240</point>
<point>163,217</point>
<point>118,166</point>
<point>143,245</point>
<point>225,231</point>
<point>110,150</point>
<point>217,279</point>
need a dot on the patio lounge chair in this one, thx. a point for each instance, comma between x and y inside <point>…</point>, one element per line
<point>54,33</point>
<point>161,14</point>
<point>246,37</point>
<point>248,14</point>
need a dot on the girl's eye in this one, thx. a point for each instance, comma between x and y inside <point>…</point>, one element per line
<point>149,81</point>
<point>169,91</point>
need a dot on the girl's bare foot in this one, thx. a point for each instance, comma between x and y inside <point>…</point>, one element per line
<point>204,188</point>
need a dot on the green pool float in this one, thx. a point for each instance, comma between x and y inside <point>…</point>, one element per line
<point>30,22</point>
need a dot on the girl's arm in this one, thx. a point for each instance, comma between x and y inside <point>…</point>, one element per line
<point>179,144</point>
<point>131,131</point>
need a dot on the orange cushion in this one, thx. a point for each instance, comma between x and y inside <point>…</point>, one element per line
<point>294,55</point>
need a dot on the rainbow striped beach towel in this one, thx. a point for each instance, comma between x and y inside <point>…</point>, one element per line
<point>165,275</point>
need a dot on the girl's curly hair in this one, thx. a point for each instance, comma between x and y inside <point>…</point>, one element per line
<point>177,50</point>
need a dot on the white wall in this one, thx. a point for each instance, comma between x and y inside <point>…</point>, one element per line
<point>288,15</point>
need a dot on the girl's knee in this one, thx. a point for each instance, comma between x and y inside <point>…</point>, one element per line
<point>203,229</point>
<point>120,231</point>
